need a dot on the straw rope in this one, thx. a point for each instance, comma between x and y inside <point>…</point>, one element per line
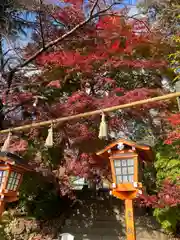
<point>96,112</point>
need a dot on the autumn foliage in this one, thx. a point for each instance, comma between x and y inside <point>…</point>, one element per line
<point>102,65</point>
<point>174,135</point>
<point>168,196</point>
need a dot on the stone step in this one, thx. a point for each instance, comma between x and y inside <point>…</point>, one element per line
<point>117,231</point>
<point>107,218</point>
<point>95,223</point>
<point>97,237</point>
<point>91,236</point>
<point>108,215</point>
<point>93,230</point>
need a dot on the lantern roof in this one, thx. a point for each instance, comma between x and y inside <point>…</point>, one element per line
<point>142,149</point>
<point>14,160</point>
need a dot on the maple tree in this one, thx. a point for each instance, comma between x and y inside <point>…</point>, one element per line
<point>108,63</point>
<point>95,68</point>
<point>174,135</point>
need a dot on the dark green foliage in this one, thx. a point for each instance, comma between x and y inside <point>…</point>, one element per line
<point>39,199</point>
<point>149,179</point>
<point>167,166</point>
<point>167,162</point>
<point>55,156</point>
<point>168,218</point>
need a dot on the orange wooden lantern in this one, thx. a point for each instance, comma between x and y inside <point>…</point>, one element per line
<point>125,159</point>
<point>12,168</point>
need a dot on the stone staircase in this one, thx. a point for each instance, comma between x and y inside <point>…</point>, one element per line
<point>104,220</point>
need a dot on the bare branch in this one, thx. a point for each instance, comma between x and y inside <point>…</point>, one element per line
<point>93,7</point>
<point>105,9</point>
<point>51,15</point>
<point>11,45</point>
<point>41,26</point>
<point>9,50</point>
<point>26,21</point>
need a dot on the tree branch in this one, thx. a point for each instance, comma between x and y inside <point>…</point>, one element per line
<point>93,7</point>
<point>51,44</point>
<point>41,26</point>
<point>10,49</point>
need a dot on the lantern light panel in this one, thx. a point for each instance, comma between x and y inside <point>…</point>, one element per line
<point>124,170</point>
<point>13,181</point>
<point>3,175</point>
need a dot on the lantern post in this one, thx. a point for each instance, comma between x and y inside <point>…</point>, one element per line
<point>12,168</point>
<point>125,161</point>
